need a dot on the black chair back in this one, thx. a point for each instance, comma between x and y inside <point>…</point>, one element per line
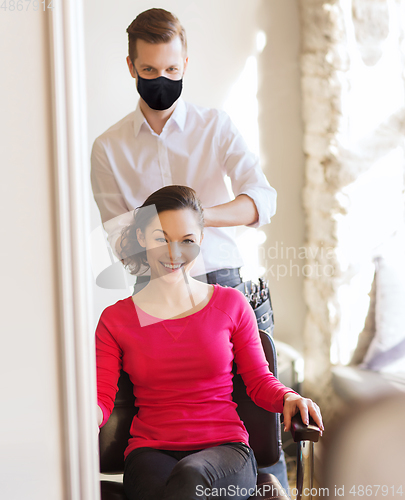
<point>263,427</point>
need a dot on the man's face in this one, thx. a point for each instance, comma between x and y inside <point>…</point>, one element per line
<point>161,59</point>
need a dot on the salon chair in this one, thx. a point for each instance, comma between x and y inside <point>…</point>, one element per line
<point>263,428</point>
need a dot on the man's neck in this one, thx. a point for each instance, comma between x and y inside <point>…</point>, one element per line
<point>156,119</point>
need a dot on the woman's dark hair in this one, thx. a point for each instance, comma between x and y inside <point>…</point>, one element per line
<point>166,198</point>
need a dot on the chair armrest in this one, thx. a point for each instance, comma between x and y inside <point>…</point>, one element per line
<point>302,432</point>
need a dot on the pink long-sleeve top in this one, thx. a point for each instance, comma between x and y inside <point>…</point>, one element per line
<point>181,371</point>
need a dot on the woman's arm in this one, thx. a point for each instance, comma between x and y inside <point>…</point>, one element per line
<point>262,387</point>
<point>108,362</point>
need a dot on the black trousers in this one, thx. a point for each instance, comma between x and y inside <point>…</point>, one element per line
<point>225,471</point>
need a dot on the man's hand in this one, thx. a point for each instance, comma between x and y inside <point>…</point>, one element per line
<point>294,403</point>
<point>241,211</point>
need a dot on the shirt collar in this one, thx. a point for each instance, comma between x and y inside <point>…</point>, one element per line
<point>139,120</point>
<point>178,116</point>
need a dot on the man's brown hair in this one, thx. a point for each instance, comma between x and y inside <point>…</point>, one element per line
<point>154,26</point>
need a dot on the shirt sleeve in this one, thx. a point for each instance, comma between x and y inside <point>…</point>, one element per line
<point>262,386</point>
<point>111,204</point>
<point>107,193</point>
<point>243,168</point>
<point>108,364</point>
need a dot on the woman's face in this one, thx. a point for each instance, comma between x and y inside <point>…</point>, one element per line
<point>172,241</point>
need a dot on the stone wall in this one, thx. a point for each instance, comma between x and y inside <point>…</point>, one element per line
<point>353,112</point>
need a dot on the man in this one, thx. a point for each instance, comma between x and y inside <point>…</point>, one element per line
<point>168,141</point>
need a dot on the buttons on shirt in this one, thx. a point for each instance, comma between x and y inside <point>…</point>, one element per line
<point>164,161</point>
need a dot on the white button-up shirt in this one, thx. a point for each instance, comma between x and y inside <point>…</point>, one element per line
<point>198,147</point>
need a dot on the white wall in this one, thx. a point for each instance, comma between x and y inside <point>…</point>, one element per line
<point>221,38</point>
<point>281,132</point>
<point>30,424</point>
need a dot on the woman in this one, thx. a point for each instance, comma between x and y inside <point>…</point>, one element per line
<point>177,339</point>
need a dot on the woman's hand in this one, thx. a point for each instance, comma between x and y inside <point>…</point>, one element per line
<point>100,416</point>
<point>294,403</point>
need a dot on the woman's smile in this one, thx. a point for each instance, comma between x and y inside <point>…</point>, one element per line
<point>172,266</point>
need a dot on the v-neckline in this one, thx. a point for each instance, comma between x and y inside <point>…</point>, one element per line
<point>175,329</point>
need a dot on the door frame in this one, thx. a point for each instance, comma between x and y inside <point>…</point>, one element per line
<point>71,174</point>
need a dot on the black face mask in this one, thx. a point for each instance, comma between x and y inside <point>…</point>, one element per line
<point>159,93</point>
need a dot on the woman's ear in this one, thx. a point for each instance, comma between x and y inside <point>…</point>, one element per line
<point>140,237</point>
